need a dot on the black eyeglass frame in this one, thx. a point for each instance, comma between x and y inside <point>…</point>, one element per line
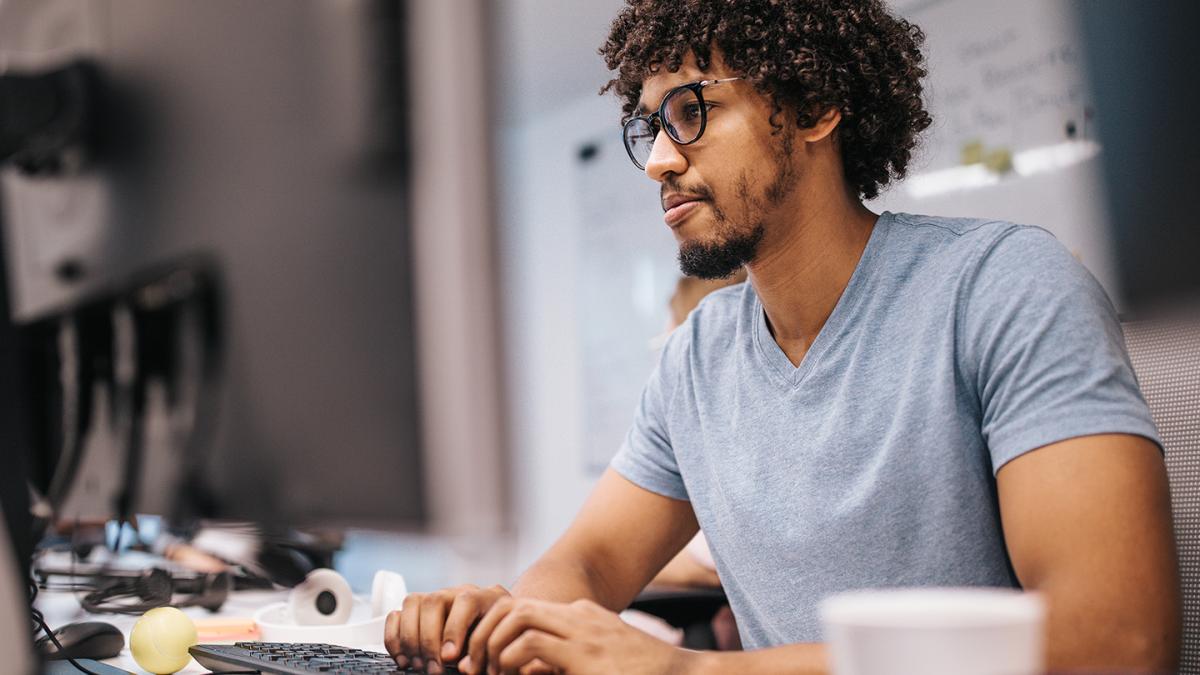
<point>654,119</point>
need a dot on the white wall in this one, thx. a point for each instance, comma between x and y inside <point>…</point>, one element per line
<point>548,73</point>
<point>540,223</point>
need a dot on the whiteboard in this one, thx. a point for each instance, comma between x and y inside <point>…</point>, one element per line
<point>1014,132</point>
<point>628,269</point>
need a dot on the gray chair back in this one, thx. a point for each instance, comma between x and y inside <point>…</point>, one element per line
<point>1166,358</point>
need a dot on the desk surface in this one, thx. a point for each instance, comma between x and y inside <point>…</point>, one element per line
<point>60,607</point>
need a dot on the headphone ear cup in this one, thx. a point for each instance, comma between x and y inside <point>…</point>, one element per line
<point>214,592</point>
<point>324,598</point>
<point>387,592</point>
<point>284,565</point>
<point>155,587</point>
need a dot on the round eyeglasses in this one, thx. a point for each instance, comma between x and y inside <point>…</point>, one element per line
<point>682,114</point>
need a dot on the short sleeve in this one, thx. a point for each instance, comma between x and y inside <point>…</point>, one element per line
<point>646,458</point>
<point>1044,349</point>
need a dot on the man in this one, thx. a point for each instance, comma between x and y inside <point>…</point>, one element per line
<point>891,400</point>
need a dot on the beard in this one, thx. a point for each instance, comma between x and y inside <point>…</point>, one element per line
<point>737,242</point>
<point>723,258</point>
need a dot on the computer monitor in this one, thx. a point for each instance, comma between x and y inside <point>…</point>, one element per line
<point>252,243</point>
<point>1142,68</point>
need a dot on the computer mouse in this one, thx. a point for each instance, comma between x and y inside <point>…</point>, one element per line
<point>84,640</point>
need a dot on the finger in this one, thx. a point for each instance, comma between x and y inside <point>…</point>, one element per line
<point>433,616</point>
<point>410,629</point>
<point>548,617</point>
<point>465,610</point>
<point>565,621</point>
<point>530,647</point>
<point>477,643</point>
<point>391,634</point>
<point>539,667</point>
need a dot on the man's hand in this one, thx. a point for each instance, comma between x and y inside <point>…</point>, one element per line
<point>520,636</point>
<point>431,628</point>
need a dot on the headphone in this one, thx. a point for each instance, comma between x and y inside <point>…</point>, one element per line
<point>322,608</point>
<point>157,588</point>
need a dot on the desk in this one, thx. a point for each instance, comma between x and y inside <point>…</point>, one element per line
<point>61,607</point>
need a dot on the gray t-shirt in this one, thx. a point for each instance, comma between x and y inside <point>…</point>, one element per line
<point>957,346</point>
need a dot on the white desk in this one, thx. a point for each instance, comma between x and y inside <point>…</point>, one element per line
<point>60,607</point>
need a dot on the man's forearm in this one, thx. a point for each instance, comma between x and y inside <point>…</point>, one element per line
<point>802,659</point>
<point>560,580</point>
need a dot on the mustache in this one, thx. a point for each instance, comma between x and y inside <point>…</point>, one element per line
<point>670,184</point>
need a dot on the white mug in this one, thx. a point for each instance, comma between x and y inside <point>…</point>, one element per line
<point>935,631</point>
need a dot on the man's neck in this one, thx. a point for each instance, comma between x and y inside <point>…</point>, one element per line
<point>801,273</point>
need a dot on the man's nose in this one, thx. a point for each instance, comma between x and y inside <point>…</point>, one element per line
<point>665,158</point>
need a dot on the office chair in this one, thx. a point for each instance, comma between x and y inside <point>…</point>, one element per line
<point>1166,358</point>
<point>690,609</point>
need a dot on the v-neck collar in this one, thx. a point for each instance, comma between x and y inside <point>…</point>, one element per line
<point>843,312</point>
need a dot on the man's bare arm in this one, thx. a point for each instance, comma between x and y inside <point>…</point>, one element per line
<point>1087,522</point>
<point>621,538</point>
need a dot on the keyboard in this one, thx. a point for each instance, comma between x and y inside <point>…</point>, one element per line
<point>292,658</point>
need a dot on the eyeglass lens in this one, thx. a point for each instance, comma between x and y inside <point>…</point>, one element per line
<point>681,116</point>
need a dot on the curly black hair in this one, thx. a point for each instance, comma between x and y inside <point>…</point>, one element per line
<point>808,55</point>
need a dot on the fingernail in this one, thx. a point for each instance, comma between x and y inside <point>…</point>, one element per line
<point>417,663</point>
<point>465,666</point>
<point>449,651</point>
<point>433,668</point>
<point>401,660</point>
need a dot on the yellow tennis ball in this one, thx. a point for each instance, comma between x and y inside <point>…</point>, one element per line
<point>160,640</point>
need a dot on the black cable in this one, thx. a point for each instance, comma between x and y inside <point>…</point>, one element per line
<point>73,384</point>
<point>33,593</point>
<point>37,616</point>
<point>58,645</point>
<point>128,405</point>
<point>40,620</point>
<point>201,369</point>
<point>74,556</point>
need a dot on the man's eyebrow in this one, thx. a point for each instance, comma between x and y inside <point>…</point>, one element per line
<point>641,109</point>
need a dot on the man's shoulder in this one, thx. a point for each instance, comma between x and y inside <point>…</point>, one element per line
<point>973,242</point>
<point>958,231</point>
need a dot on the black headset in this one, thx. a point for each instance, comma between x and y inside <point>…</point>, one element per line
<point>156,588</point>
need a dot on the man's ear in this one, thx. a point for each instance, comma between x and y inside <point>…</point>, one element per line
<point>823,126</point>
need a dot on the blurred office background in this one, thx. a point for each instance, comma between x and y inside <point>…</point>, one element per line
<point>554,140</point>
<point>584,267</point>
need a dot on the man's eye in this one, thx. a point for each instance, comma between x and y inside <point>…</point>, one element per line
<point>692,110</point>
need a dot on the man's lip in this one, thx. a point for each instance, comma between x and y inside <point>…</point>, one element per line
<point>676,214</point>
<point>673,200</point>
